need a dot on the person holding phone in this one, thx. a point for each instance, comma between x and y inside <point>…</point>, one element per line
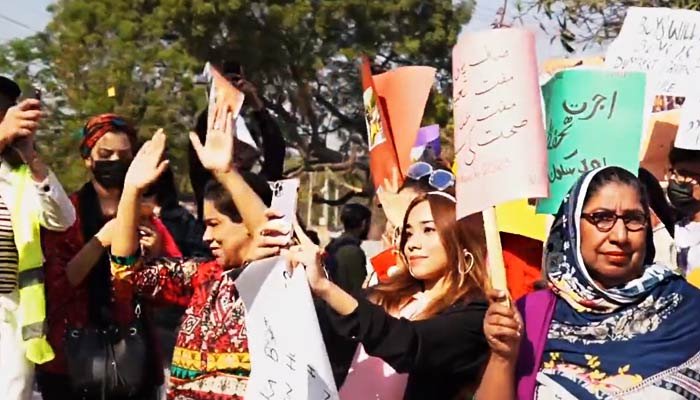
<point>213,328</point>
<point>31,198</point>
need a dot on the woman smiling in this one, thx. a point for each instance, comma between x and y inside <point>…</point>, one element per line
<point>419,334</point>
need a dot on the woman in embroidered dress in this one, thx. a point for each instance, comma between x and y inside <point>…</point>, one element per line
<point>613,324</point>
<point>210,359</point>
<point>419,334</point>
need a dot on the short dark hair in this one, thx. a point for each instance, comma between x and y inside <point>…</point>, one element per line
<point>677,155</point>
<point>354,215</point>
<point>223,202</point>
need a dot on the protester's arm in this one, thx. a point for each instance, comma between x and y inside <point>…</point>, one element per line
<point>20,121</point>
<point>143,171</point>
<point>164,280</point>
<point>216,156</point>
<point>57,211</point>
<point>503,329</point>
<point>59,248</point>
<point>452,342</point>
<point>80,265</point>
<point>498,381</point>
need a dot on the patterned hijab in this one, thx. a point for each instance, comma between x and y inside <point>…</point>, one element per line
<point>100,125</point>
<point>605,342</point>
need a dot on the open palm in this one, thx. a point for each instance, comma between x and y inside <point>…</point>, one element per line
<point>147,166</point>
<point>216,154</point>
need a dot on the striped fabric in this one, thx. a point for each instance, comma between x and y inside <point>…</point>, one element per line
<point>8,252</point>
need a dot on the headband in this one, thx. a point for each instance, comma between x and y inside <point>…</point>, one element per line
<point>445,195</point>
<point>98,126</point>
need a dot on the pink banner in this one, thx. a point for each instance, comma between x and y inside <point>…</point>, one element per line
<point>500,143</point>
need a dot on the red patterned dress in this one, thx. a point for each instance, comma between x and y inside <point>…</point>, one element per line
<point>211,359</point>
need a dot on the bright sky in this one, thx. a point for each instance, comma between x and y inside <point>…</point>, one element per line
<point>19,18</point>
<point>485,14</point>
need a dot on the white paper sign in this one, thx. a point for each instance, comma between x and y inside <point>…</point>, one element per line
<point>662,42</point>
<point>288,357</point>
<point>284,198</point>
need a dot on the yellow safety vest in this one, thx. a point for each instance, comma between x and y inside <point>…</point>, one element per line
<point>32,301</point>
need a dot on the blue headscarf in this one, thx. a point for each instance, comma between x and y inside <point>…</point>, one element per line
<point>602,342</point>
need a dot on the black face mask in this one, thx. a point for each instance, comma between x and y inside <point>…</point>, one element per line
<point>681,196</point>
<point>110,173</point>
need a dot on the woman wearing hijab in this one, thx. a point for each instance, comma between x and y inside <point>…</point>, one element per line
<point>613,324</point>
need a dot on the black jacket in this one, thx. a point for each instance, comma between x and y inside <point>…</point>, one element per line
<point>442,354</point>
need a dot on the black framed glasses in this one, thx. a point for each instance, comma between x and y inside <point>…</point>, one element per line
<point>604,221</point>
<point>439,179</point>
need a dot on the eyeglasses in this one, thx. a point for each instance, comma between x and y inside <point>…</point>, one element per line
<point>439,179</point>
<point>604,221</point>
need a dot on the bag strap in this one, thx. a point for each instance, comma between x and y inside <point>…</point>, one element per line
<point>537,310</point>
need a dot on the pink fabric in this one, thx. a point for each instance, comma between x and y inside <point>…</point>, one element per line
<point>370,377</point>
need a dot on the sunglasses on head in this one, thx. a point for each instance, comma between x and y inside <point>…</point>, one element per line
<point>439,179</point>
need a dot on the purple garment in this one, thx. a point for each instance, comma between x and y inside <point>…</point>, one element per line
<point>537,310</point>
<point>428,136</point>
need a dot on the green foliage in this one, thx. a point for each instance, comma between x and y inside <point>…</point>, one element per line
<point>302,54</point>
<point>584,22</point>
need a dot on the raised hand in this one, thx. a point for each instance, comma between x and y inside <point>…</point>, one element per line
<point>147,166</point>
<point>216,154</point>
<point>393,185</point>
<point>310,257</point>
<point>21,120</point>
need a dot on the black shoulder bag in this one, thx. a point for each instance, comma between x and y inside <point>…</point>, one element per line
<point>108,362</point>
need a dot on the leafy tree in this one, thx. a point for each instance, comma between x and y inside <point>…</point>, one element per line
<point>93,46</point>
<point>302,54</point>
<point>585,22</point>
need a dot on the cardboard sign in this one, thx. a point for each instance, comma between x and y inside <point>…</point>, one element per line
<point>287,353</point>
<point>662,42</point>
<point>688,136</point>
<point>658,142</point>
<point>594,119</point>
<point>499,135</point>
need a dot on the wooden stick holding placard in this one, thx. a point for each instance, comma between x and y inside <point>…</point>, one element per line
<point>496,265</point>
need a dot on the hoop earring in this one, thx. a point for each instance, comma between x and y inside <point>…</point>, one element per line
<point>469,265</point>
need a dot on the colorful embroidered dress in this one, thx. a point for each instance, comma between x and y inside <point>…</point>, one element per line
<point>637,341</point>
<point>211,359</point>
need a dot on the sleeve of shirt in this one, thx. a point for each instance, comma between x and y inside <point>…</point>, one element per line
<point>59,248</point>
<point>165,280</point>
<point>452,342</point>
<point>57,211</point>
